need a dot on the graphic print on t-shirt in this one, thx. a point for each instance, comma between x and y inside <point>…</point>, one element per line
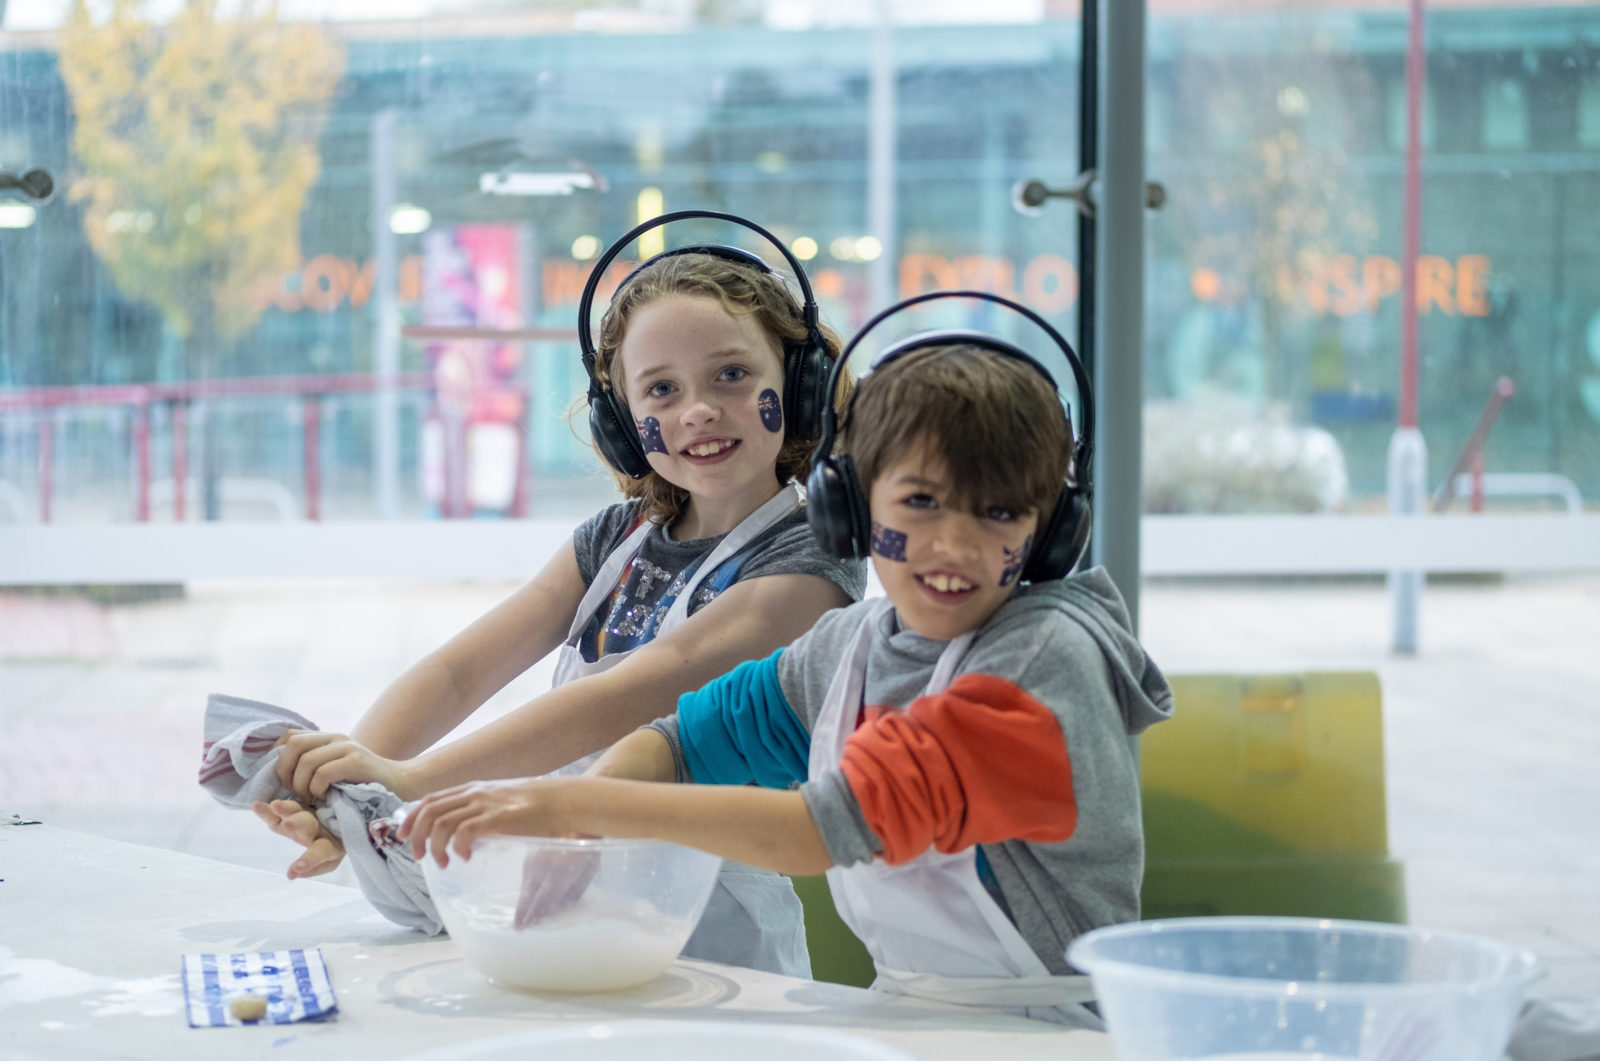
<point>634,610</point>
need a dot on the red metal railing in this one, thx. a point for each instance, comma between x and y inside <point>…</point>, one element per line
<point>141,398</point>
<point>1471,458</point>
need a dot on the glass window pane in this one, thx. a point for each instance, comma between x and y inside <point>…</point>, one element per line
<point>257,216</point>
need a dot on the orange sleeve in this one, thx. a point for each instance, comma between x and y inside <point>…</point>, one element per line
<point>981,762</point>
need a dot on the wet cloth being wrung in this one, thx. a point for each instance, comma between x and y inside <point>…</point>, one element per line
<point>237,768</point>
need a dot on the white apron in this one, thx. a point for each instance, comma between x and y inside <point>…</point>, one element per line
<point>753,919</point>
<point>931,927</point>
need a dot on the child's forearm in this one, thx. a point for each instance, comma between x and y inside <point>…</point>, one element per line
<point>763,827</point>
<point>643,755</point>
<point>417,709</point>
<point>557,728</point>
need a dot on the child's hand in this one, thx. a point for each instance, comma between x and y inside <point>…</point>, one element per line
<point>323,852</point>
<point>458,817</point>
<point>552,881</point>
<point>310,761</point>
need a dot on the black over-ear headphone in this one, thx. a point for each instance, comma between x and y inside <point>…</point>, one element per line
<point>806,379</point>
<point>836,506</point>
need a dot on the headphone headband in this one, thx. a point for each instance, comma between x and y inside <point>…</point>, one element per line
<point>1083,445</point>
<point>808,305</point>
<point>806,362</point>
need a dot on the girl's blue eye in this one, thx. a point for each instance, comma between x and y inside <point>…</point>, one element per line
<point>733,374</point>
<point>658,390</point>
<point>999,514</point>
<point>920,501</point>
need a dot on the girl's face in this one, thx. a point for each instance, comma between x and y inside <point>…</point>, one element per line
<point>945,569</point>
<point>705,388</point>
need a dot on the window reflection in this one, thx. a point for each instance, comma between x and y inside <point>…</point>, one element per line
<point>462,168</point>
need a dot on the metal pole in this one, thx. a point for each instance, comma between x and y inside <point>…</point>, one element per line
<point>1088,160</point>
<point>1408,453</point>
<point>386,322</point>
<point>1119,296</point>
<point>881,140</point>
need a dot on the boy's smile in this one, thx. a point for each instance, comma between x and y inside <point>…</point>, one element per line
<point>945,569</point>
<point>703,386</point>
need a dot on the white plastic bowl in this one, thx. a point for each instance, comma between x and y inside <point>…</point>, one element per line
<point>620,930</point>
<point>1278,988</point>
<point>671,1041</point>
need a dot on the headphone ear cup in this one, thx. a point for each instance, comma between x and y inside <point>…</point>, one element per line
<point>836,510</point>
<point>805,383</point>
<point>1065,535</point>
<point>616,437</point>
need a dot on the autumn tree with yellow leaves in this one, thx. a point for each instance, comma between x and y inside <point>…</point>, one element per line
<point>1279,193</point>
<point>197,142</point>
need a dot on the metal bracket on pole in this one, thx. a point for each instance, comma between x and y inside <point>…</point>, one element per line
<point>1029,196</point>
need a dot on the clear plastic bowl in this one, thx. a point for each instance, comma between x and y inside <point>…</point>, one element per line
<point>1270,988</point>
<point>571,916</point>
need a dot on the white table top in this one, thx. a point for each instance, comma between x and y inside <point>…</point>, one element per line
<point>92,932</point>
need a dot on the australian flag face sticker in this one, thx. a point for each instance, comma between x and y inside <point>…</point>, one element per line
<point>1015,559</point>
<point>888,543</point>
<point>771,410</point>
<point>650,435</point>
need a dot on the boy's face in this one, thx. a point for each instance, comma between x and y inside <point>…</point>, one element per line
<point>945,569</point>
<point>705,389</point>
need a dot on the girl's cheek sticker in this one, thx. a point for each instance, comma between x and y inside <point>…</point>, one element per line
<point>1015,560</point>
<point>771,410</point>
<point>650,435</point>
<point>888,543</point>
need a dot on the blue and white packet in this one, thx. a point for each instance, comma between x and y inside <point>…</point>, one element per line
<point>294,982</point>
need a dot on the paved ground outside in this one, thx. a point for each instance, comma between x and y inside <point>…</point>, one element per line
<point>1492,730</point>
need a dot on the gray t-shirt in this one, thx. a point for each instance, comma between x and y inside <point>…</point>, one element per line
<point>650,585</point>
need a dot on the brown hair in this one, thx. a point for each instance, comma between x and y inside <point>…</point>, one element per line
<point>740,289</point>
<point>995,422</point>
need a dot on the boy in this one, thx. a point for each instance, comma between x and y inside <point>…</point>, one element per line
<point>960,748</point>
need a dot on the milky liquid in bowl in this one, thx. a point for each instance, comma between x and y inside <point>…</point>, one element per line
<point>590,952</point>
<point>622,930</point>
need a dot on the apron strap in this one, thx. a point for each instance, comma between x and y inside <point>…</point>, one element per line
<point>749,529</point>
<point>605,579</point>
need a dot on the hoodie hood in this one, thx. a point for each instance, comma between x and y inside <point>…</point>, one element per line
<point>1093,600</point>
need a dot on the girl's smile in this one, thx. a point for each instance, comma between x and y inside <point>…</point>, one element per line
<point>702,385</point>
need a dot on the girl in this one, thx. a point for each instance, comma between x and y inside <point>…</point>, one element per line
<point>705,358</point>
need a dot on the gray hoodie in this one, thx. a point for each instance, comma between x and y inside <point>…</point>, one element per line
<point>1066,643</point>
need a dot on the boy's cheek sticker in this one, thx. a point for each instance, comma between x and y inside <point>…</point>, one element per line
<point>888,543</point>
<point>1015,560</point>
<point>771,410</point>
<point>650,435</point>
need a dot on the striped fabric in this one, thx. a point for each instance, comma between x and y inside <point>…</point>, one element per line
<point>294,983</point>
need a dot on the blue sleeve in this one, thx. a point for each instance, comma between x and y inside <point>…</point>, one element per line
<point>740,728</point>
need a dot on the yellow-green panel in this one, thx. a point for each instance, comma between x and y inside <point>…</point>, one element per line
<point>1279,761</point>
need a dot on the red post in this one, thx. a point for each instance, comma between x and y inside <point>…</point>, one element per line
<point>311,413</point>
<point>1471,458</point>
<point>180,458</point>
<point>1416,80</point>
<point>141,456</point>
<point>47,462</point>
<point>1476,503</point>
